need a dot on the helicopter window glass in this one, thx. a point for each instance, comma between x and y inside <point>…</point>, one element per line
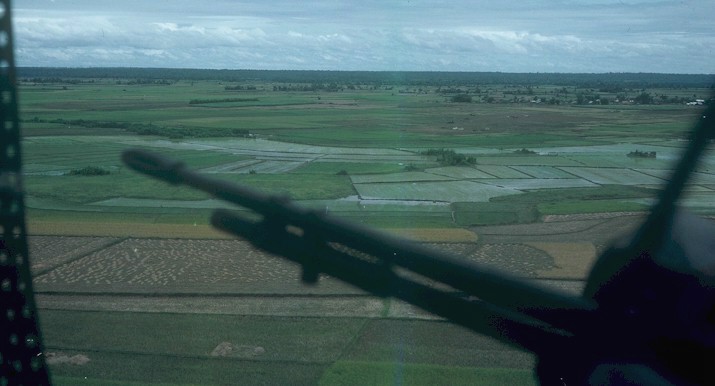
<point>522,136</point>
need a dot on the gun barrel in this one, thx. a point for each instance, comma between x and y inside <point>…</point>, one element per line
<point>155,165</point>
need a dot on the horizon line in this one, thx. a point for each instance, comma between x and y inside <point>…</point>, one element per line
<point>373,71</point>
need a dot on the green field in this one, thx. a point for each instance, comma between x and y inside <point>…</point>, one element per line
<point>381,373</point>
<point>319,145</point>
<point>165,348</point>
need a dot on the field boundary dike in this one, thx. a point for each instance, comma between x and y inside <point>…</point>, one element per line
<point>202,231</point>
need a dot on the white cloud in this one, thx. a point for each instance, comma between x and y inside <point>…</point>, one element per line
<point>171,27</point>
<point>528,35</point>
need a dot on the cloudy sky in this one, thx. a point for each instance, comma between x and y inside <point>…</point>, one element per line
<point>664,36</point>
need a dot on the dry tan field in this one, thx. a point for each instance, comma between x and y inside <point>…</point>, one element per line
<point>131,265</point>
<point>230,276</point>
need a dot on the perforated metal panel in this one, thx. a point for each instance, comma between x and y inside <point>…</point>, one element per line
<point>21,358</point>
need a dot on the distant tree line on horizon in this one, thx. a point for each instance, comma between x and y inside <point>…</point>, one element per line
<point>601,81</point>
<point>81,80</point>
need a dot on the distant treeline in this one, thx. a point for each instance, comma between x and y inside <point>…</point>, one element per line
<point>150,128</point>
<point>413,78</point>
<point>224,100</point>
<point>81,80</point>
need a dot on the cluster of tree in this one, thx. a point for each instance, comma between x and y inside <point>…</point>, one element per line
<point>452,90</point>
<point>57,80</point>
<point>224,100</point>
<point>413,91</point>
<point>553,101</point>
<point>145,81</point>
<point>642,154</point>
<point>585,98</point>
<point>88,171</point>
<point>190,132</point>
<point>83,123</point>
<point>240,88</point>
<point>412,78</point>
<point>524,151</point>
<point>644,98</point>
<point>413,168</point>
<point>449,157</point>
<point>330,87</point>
<point>580,97</point>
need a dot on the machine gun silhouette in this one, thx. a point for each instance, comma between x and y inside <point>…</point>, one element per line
<point>647,314</point>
